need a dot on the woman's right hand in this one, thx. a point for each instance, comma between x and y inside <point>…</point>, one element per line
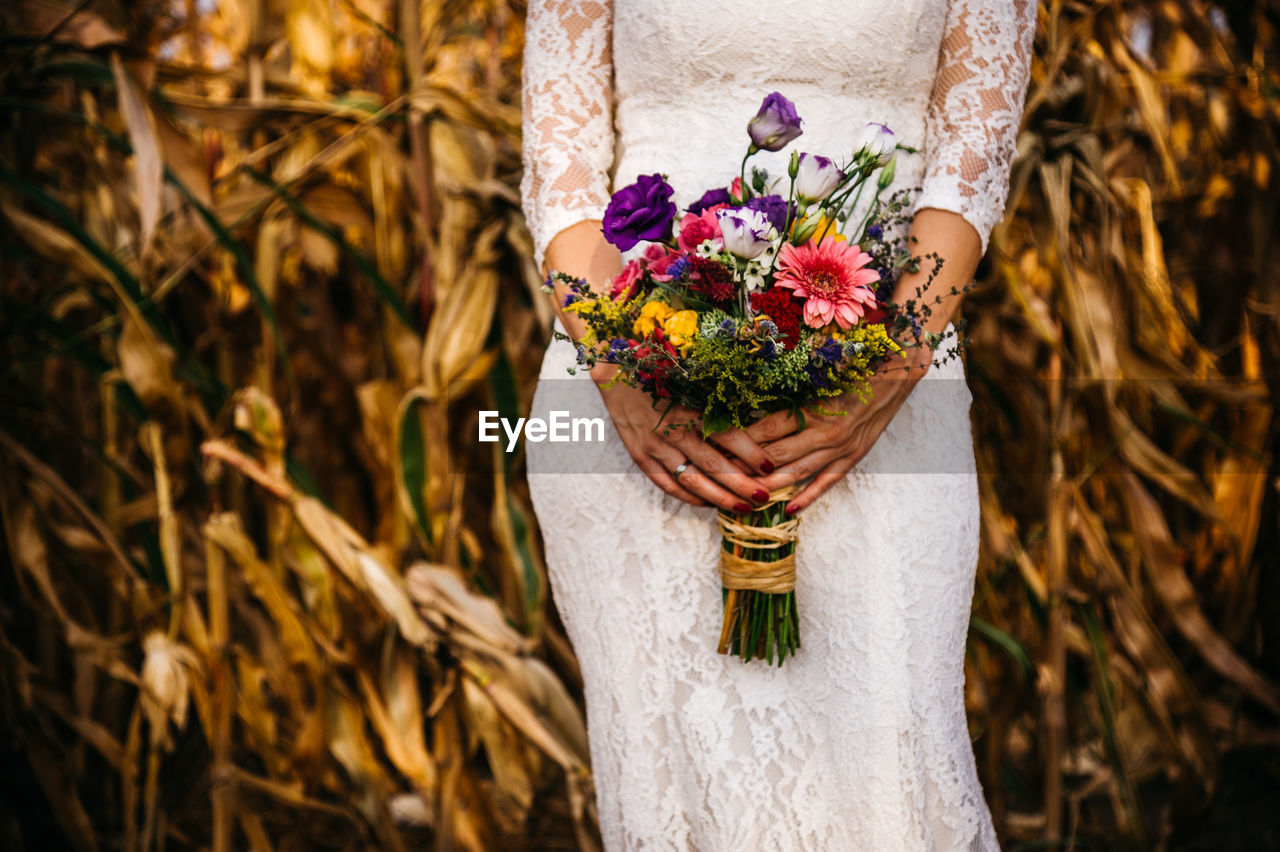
<point>711,476</point>
<point>660,444</point>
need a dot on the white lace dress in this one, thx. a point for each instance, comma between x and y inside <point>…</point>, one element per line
<point>860,741</point>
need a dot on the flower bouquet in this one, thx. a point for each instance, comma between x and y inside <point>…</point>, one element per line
<point>763,296</point>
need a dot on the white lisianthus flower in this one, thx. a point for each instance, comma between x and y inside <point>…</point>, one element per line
<point>816,178</point>
<point>770,254</point>
<point>875,141</point>
<point>745,231</point>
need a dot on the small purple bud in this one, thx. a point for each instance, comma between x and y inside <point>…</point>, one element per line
<point>775,125</point>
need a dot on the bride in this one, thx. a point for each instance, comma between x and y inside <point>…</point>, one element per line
<point>859,741</point>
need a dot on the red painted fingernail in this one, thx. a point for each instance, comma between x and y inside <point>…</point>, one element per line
<point>741,508</point>
<point>767,466</point>
<point>760,495</point>
<point>792,508</point>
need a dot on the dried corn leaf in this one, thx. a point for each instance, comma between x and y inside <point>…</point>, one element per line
<point>1175,591</point>
<point>148,163</point>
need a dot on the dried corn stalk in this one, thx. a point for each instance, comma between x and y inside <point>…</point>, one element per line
<point>263,261</point>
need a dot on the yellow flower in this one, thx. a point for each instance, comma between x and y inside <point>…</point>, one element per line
<point>651,316</point>
<point>681,328</point>
<point>816,228</point>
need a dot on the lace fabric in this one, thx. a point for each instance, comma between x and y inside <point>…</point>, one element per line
<point>975,109</point>
<point>949,77</point>
<point>859,742</point>
<point>567,116</point>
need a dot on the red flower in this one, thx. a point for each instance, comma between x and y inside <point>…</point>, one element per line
<point>627,282</point>
<point>878,314</point>
<point>785,311</point>
<point>696,229</point>
<point>712,278</point>
<point>657,258</point>
<point>662,355</point>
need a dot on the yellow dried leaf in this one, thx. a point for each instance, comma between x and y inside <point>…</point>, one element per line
<point>1179,597</point>
<point>310,32</point>
<point>501,744</point>
<point>55,244</point>
<point>165,694</point>
<point>147,365</point>
<point>148,163</point>
<point>440,589</point>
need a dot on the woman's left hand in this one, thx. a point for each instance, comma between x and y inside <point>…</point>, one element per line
<point>831,444</point>
<point>828,447</point>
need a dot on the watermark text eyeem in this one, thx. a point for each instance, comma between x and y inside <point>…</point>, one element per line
<point>558,428</point>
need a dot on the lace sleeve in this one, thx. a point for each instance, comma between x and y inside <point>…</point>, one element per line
<point>983,66</point>
<point>568,121</point>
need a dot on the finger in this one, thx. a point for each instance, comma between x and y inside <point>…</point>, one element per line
<point>712,463</point>
<point>734,462</point>
<point>797,445</point>
<point>800,471</point>
<point>744,447</point>
<point>771,428</point>
<point>662,478</point>
<point>697,480</point>
<point>826,478</point>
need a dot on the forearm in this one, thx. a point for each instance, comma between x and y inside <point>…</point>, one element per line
<point>582,252</point>
<point>952,238</point>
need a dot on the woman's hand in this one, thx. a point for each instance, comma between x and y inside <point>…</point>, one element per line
<point>831,444</point>
<point>828,447</point>
<point>710,476</point>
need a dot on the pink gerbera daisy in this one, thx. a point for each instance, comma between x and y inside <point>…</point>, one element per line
<point>830,277</point>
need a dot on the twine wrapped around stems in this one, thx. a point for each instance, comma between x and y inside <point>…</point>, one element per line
<point>775,577</point>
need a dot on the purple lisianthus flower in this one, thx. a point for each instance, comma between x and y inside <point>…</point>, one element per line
<point>642,211</point>
<point>816,178</point>
<point>774,208</point>
<point>775,125</point>
<point>710,198</point>
<point>746,231</point>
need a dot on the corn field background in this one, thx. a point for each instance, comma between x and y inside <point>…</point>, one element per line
<point>262,262</point>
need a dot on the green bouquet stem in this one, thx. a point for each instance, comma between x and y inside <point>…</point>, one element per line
<point>757,572</point>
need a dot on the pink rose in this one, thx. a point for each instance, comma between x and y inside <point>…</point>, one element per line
<point>696,228</point>
<point>626,282</point>
<point>657,258</point>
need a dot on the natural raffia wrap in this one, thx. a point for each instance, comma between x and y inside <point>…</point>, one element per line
<point>776,577</point>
